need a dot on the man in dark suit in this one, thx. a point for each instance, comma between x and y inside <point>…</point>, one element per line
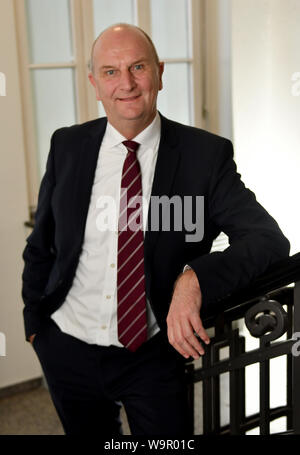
<point>112,313</point>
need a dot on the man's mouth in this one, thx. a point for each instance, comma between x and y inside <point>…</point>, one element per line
<point>129,99</point>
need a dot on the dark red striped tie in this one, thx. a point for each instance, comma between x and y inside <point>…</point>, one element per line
<point>132,317</point>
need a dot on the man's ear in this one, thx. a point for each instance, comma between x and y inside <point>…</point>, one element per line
<point>94,84</point>
<point>161,70</point>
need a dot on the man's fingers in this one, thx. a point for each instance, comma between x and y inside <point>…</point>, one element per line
<point>199,329</point>
<point>182,338</point>
<point>177,340</point>
<point>186,347</point>
<point>192,340</point>
<point>186,350</point>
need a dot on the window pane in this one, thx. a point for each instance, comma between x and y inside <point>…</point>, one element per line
<point>54,100</point>
<point>174,98</point>
<point>49,31</point>
<point>170,27</point>
<point>108,12</point>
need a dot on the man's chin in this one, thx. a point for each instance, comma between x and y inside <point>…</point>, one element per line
<point>138,117</point>
<point>132,115</point>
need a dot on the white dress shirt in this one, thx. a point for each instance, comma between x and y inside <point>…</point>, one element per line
<point>89,311</point>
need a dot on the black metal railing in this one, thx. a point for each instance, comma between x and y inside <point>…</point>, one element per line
<point>270,309</point>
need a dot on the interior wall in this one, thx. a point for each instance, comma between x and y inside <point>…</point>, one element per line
<point>266,134</point>
<point>266,105</point>
<point>19,362</point>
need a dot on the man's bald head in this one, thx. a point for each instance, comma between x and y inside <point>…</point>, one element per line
<point>127,76</point>
<point>117,28</point>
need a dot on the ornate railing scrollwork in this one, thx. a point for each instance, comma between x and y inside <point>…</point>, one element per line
<point>270,308</point>
<point>267,320</point>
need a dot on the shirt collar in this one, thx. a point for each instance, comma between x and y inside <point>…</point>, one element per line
<point>147,138</point>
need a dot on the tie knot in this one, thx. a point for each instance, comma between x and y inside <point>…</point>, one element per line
<point>131,145</point>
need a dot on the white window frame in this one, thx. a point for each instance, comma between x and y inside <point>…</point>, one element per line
<point>204,92</point>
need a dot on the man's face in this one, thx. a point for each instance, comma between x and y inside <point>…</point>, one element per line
<point>126,78</point>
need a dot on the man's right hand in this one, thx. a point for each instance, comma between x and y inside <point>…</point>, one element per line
<point>183,320</point>
<point>31,338</point>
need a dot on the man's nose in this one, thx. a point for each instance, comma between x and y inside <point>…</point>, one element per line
<point>127,81</point>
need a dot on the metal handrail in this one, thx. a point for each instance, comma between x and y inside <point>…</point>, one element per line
<point>270,307</point>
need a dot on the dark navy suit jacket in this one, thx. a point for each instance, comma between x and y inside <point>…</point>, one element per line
<point>191,162</point>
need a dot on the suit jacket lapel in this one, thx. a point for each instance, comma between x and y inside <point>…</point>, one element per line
<point>86,166</point>
<point>166,164</point>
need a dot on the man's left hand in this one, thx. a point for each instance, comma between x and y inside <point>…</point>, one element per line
<point>184,320</point>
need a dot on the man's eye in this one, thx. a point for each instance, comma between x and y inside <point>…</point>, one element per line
<point>138,67</point>
<point>110,72</point>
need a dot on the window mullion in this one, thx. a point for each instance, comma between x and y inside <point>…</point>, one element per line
<point>38,66</point>
<point>87,15</point>
<point>198,62</point>
<point>177,60</point>
<point>144,15</point>
<point>82,107</point>
<point>28,116</point>
<point>211,66</point>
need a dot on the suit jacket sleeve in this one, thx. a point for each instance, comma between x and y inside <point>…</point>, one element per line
<point>39,254</point>
<point>254,236</point>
